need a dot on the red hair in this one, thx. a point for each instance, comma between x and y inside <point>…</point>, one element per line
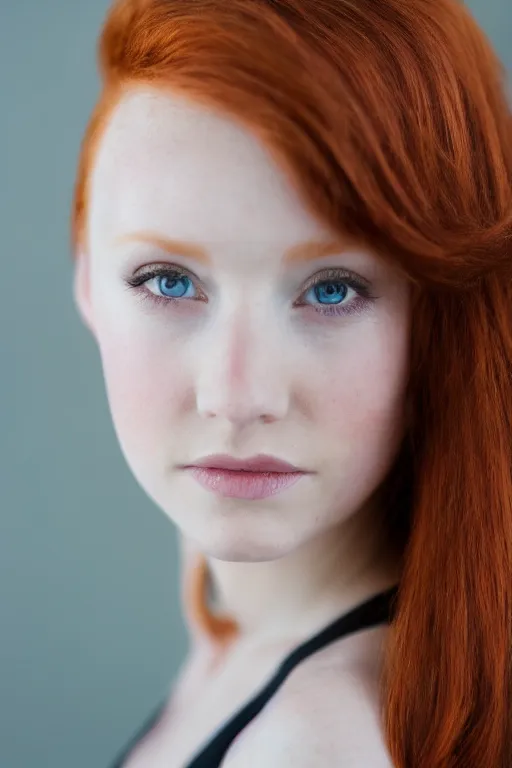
<point>391,119</point>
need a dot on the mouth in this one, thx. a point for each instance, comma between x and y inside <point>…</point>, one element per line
<point>256,478</point>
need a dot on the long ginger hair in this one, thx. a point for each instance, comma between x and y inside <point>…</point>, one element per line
<point>391,120</point>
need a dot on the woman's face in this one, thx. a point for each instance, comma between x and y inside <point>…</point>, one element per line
<point>275,337</point>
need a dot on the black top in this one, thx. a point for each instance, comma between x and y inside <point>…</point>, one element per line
<point>377,610</point>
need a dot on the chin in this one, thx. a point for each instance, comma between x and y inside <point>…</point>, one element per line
<point>227,541</point>
<point>237,555</point>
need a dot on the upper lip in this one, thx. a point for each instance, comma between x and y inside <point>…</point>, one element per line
<point>259,463</point>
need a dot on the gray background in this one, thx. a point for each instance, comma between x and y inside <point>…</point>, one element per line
<point>91,632</point>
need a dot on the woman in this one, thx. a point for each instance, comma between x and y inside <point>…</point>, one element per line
<point>292,228</point>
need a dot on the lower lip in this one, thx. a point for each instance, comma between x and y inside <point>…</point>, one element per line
<point>244,485</point>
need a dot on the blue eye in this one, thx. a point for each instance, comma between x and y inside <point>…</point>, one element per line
<point>174,286</point>
<point>326,296</point>
<point>165,285</point>
<point>329,292</point>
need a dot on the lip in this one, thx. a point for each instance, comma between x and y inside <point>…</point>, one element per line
<point>256,478</point>
<point>259,463</point>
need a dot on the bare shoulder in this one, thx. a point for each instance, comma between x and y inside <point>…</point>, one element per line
<point>326,713</point>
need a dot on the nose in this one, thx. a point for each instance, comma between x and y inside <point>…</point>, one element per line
<point>241,376</point>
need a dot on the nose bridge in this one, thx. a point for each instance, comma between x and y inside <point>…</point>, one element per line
<point>241,375</point>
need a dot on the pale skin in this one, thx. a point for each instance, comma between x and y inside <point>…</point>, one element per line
<point>249,360</point>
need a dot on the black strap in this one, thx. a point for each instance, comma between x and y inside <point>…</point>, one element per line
<point>377,610</point>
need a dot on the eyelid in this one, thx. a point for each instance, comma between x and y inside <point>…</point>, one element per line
<point>159,268</point>
<point>328,273</point>
<point>339,274</point>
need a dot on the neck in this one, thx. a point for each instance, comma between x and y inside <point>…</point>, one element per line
<point>297,593</point>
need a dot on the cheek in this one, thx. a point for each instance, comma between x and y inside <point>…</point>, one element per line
<point>363,401</point>
<point>145,385</point>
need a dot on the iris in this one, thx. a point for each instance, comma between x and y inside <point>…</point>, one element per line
<point>330,293</point>
<point>175,288</point>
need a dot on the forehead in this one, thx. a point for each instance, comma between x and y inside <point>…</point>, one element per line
<point>168,164</point>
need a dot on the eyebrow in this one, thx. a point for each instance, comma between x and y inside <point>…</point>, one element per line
<point>297,254</point>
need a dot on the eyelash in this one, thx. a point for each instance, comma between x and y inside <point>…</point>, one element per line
<point>356,306</point>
